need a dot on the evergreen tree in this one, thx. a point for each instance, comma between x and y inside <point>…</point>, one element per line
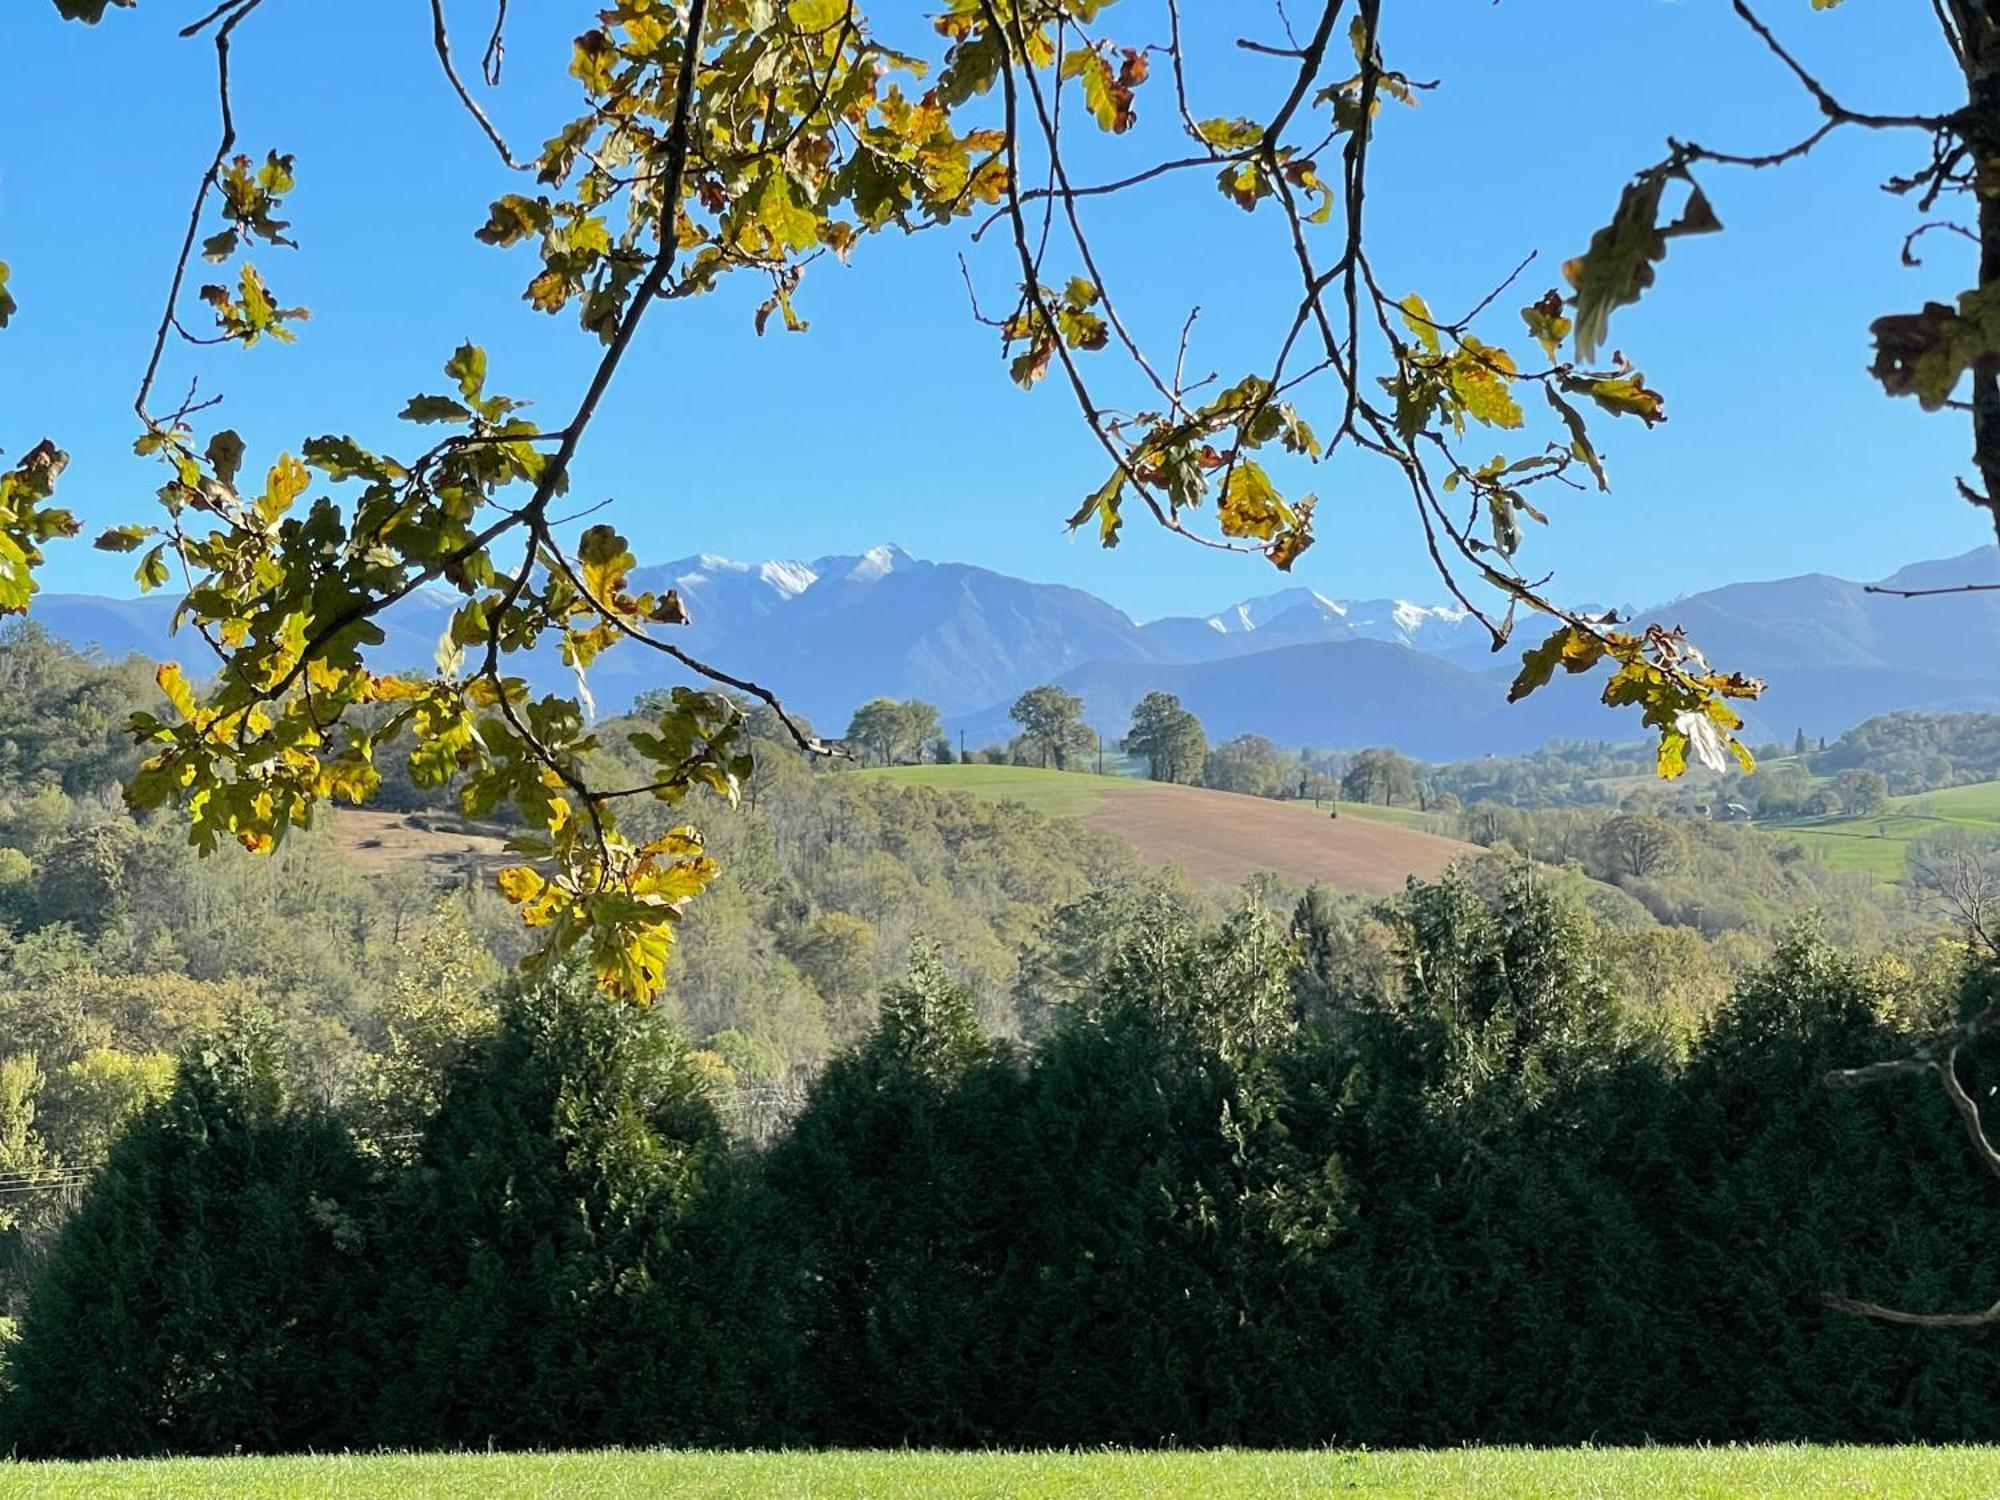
<point>1800,1190</point>
<point>1150,1296</point>
<point>204,1298</point>
<point>545,1284</point>
<point>891,1184</point>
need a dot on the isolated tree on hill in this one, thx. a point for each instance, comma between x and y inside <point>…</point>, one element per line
<point>877,729</point>
<point>719,140</point>
<point>922,729</point>
<point>1249,764</point>
<point>1169,738</point>
<point>1053,733</point>
<point>891,732</point>
<point>1862,790</point>
<point>1379,776</point>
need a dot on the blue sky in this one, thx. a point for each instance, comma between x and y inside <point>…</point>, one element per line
<point>893,420</point>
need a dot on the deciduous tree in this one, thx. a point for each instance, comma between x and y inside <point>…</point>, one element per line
<point>1053,733</point>
<point>1169,738</point>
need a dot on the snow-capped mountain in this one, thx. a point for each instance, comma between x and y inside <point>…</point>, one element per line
<point>1301,616</point>
<point>1296,665</point>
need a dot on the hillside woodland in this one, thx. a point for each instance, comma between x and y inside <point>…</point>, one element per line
<point>1427,1177</point>
<point>942,1096</point>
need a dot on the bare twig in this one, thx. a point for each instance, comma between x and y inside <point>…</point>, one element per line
<point>441,42</point>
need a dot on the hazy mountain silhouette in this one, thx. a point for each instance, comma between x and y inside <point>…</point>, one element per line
<point>1297,666</point>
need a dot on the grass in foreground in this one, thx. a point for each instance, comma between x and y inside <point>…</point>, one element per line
<point>1476,1473</point>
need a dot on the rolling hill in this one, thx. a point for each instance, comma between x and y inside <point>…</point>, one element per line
<point>1879,843</point>
<point>1217,838</point>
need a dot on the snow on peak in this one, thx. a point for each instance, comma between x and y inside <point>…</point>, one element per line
<point>876,562</point>
<point>788,578</point>
<point>1252,613</point>
<point>1411,618</point>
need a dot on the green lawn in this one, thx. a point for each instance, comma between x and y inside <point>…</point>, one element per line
<point>1615,1474</point>
<point>1879,845</point>
<point>1074,794</point>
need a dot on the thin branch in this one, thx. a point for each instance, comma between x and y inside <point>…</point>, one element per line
<point>1309,60</point>
<point>1829,106</point>
<point>222,150</point>
<point>557,468</point>
<point>441,41</point>
<point>1951,588</point>
<point>1914,1320</point>
<point>495,56</point>
<point>811,744</point>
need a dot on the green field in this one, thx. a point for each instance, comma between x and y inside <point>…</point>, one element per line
<point>1879,845</point>
<point>1627,1474</point>
<point>1060,794</point>
<point>1072,794</point>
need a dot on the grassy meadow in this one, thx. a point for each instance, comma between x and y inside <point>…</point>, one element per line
<point>1879,844</point>
<point>1473,1473</point>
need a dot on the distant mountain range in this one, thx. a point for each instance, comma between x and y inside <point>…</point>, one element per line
<point>1295,666</point>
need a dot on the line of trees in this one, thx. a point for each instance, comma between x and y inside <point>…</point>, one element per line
<point>1419,1176</point>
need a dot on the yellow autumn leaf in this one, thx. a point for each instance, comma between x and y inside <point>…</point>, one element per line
<point>179,695</point>
<point>1480,376</point>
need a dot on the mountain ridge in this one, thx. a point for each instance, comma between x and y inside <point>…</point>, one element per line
<point>1295,665</point>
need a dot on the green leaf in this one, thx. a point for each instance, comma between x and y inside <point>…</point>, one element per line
<point>1417,318</point>
<point>434,409</point>
<point>1107,93</point>
<point>1547,323</point>
<point>1579,436</point>
<point>1103,503</point>
<point>1618,266</point>
<point>152,572</point>
<point>468,367</point>
<point>1230,134</point>
<point>90,12</point>
<point>1480,376</point>
<point>1572,649</point>
<point>603,562</point>
<point>1623,395</point>
<point>782,216</point>
<point>124,538</point>
<point>225,455</point>
<point>8,306</point>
